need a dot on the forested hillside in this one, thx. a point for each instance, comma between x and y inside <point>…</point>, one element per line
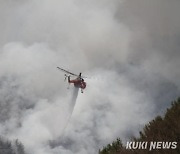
<point>11,147</point>
<point>165,128</point>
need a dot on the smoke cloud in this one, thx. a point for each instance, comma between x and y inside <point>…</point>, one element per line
<point>129,49</point>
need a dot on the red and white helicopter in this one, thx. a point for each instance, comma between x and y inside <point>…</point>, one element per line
<point>78,82</point>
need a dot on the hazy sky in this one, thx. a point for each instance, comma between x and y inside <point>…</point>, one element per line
<point>129,48</point>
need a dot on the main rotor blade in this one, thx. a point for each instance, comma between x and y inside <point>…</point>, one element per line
<point>67,71</point>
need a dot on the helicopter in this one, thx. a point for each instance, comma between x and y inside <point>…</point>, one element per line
<point>78,82</point>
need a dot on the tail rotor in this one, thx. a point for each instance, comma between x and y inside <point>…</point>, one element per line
<point>65,77</point>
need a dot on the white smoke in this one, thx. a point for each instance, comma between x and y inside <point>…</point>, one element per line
<point>47,121</point>
<point>134,67</point>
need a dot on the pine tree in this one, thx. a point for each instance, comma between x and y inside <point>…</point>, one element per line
<point>165,128</point>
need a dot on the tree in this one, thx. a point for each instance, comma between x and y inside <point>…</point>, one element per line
<point>165,128</point>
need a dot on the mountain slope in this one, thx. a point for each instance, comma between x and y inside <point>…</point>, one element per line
<point>162,129</point>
